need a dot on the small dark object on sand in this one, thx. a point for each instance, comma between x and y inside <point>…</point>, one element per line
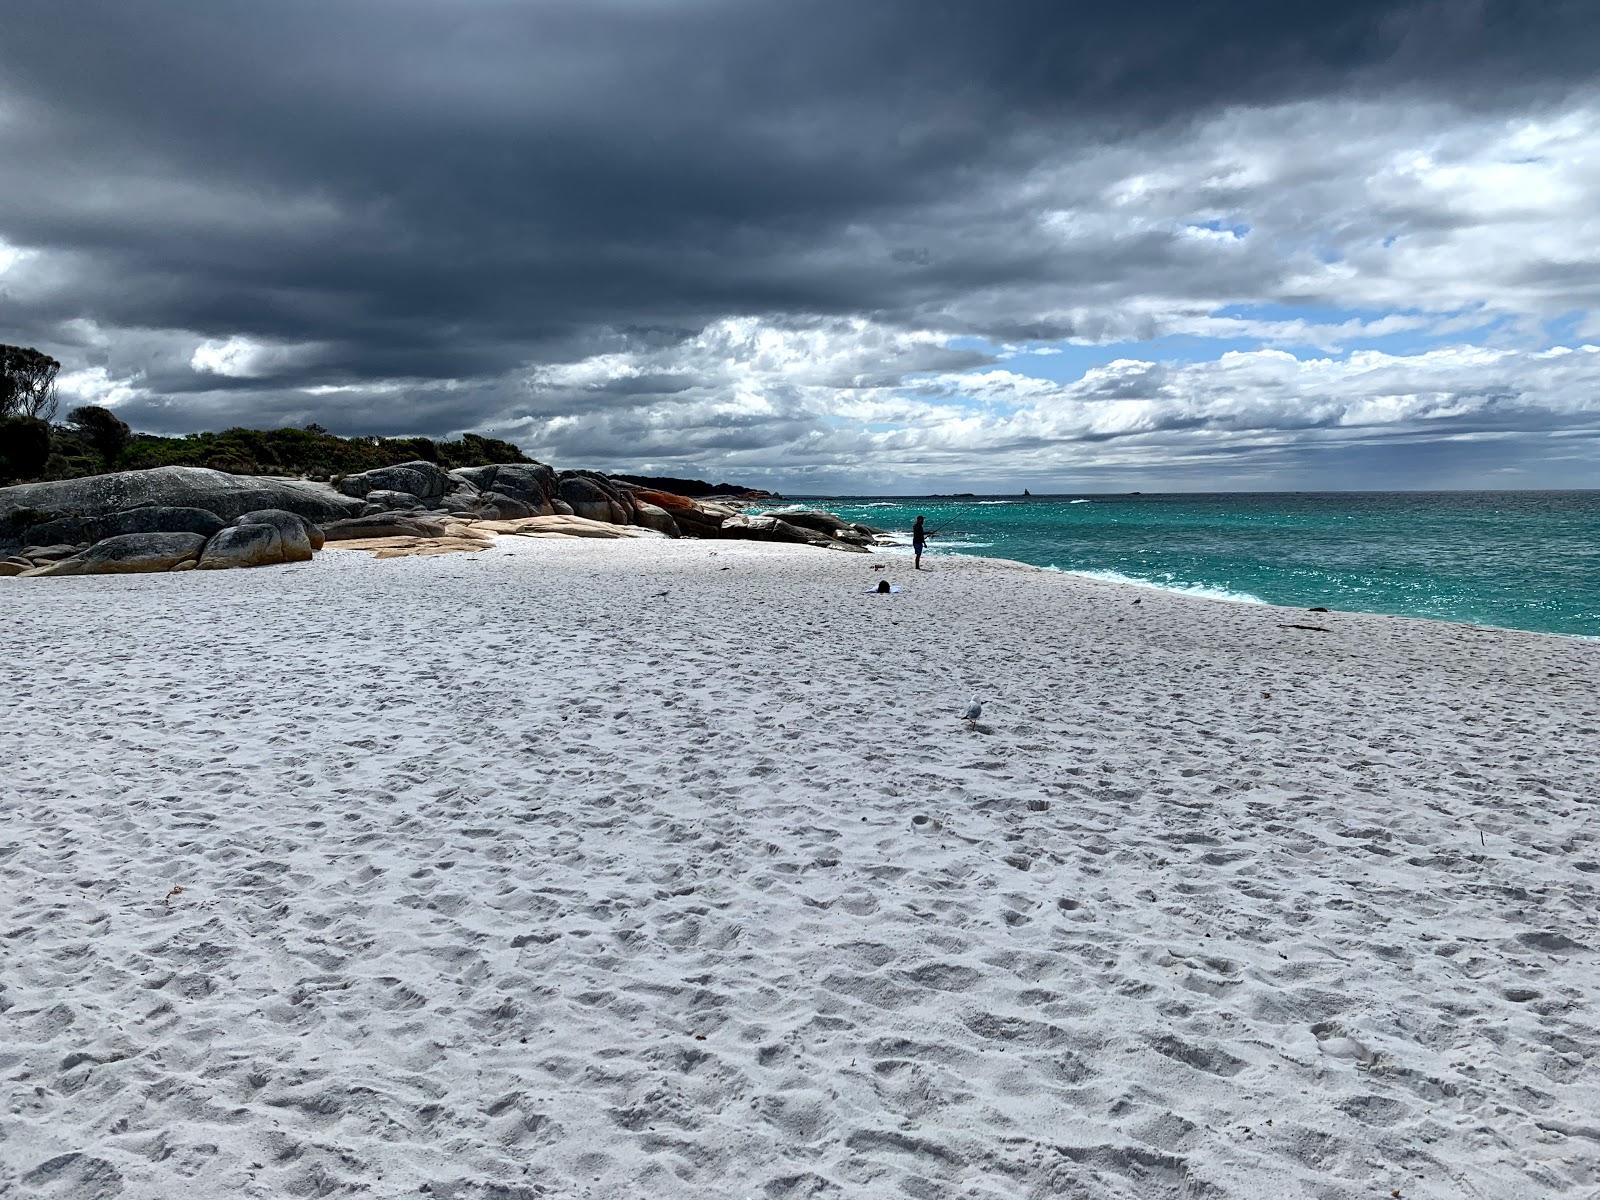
<point>1313,628</point>
<point>1316,610</point>
<point>883,587</point>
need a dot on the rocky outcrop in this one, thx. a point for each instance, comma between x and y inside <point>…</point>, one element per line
<point>425,480</point>
<point>693,519</point>
<point>293,528</point>
<point>225,496</point>
<point>772,529</point>
<point>381,500</point>
<point>591,496</point>
<point>129,554</point>
<point>401,547</point>
<point>667,500</point>
<point>650,516</point>
<point>530,484</point>
<point>563,526</point>
<point>390,524</point>
<point>500,491</point>
<point>463,499</point>
<point>501,507</point>
<point>414,507</point>
<point>258,538</point>
<point>833,527</point>
<point>814,518</point>
<point>38,554</point>
<point>243,546</point>
<point>150,518</point>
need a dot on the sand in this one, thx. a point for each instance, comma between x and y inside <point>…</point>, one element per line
<point>668,869</point>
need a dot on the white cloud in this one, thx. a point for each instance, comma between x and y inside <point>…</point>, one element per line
<point>240,357</point>
<point>9,255</point>
<point>771,400</point>
<point>95,385</point>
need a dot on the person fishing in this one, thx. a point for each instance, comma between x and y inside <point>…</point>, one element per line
<point>919,541</point>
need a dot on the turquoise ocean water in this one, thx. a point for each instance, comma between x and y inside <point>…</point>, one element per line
<point>1521,560</point>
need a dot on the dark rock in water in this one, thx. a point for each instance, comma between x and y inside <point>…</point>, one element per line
<point>300,536</point>
<point>130,554</point>
<point>423,479</point>
<point>834,527</point>
<point>773,529</point>
<point>227,496</point>
<point>151,518</point>
<point>813,518</point>
<point>244,546</point>
<point>388,524</point>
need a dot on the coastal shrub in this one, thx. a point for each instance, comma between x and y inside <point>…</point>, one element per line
<point>311,451</point>
<point>105,432</point>
<point>414,448</point>
<point>94,440</point>
<point>24,448</point>
<point>27,383</point>
<point>474,450</point>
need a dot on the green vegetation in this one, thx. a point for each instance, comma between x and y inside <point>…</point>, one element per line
<point>92,448</point>
<point>27,383</point>
<point>24,448</point>
<point>95,440</point>
<point>312,451</point>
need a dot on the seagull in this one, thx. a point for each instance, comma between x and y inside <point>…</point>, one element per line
<point>974,711</point>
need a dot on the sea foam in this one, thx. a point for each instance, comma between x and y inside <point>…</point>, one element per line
<point>1186,589</point>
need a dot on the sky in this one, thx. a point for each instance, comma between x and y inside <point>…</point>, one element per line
<point>888,247</point>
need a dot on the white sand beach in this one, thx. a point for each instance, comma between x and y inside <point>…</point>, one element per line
<point>669,869</point>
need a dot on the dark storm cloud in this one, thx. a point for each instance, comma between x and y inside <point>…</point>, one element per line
<point>449,190</point>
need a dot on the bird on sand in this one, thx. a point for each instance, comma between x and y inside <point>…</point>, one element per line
<point>974,711</point>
